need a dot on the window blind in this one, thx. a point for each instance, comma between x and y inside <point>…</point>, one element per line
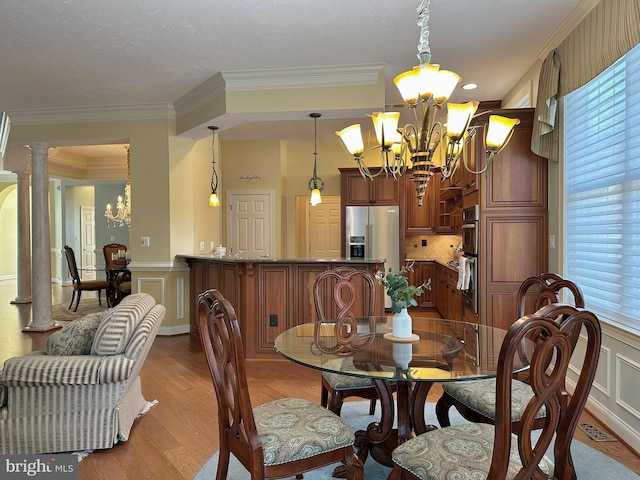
<point>602,183</point>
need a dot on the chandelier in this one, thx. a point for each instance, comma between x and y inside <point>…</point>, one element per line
<point>315,184</point>
<point>214,201</point>
<point>430,87</point>
<point>123,207</point>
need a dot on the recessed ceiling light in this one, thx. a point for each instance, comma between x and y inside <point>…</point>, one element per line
<point>470,86</point>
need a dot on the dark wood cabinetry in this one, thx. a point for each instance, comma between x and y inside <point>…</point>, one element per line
<point>420,220</point>
<point>269,296</point>
<point>356,190</point>
<point>513,223</point>
<point>422,272</point>
<point>448,299</point>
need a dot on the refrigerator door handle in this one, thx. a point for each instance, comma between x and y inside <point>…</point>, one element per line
<point>368,246</point>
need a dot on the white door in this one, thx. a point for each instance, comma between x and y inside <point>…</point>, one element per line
<point>250,223</point>
<point>87,240</point>
<point>324,229</point>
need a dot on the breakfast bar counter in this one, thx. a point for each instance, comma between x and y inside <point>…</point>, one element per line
<point>269,295</point>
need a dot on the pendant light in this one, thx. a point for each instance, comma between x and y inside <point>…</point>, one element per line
<point>315,184</point>
<point>214,201</point>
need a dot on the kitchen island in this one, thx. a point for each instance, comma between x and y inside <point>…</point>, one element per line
<point>269,295</point>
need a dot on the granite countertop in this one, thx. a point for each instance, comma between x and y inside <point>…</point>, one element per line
<point>234,259</point>
<point>444,264</point>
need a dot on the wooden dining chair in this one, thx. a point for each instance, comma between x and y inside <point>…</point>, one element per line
<point>339,293</point>
<point>475,399</point>
<point>280,438</point>
<point>117,273</point>
<point>80,285</point>
<point>480,450</point>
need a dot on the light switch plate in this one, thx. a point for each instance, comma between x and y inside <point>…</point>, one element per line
<point>145,241</point>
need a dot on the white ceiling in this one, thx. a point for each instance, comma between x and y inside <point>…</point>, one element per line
<point>81,53</point>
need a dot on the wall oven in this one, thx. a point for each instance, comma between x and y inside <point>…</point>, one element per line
<point>470,247</point>
<point>470,217</point>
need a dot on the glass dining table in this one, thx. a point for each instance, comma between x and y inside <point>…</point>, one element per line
<point>440,351</point>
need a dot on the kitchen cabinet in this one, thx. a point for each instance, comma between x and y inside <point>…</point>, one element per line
<point>420,220</point>
<point>356,190</point>
<point>422,272</point>
<point>449,204</point>
<point>513,224</point>
<point>448,299</point>
<point>470,154</point>
<point>269,296</point>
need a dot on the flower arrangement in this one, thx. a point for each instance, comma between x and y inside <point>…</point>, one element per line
<point>398,287</point>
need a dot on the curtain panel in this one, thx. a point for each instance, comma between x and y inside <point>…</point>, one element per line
<point>607,33</point>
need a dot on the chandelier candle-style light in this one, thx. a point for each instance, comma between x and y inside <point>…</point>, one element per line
<point>214,201</point>
<point>315,184</point>
<point>430,87</point>
<point>123,206</point>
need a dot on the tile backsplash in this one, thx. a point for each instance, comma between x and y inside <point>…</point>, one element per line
<point>439,247</point>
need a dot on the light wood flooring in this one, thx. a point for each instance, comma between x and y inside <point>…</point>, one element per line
<point>180,433</point>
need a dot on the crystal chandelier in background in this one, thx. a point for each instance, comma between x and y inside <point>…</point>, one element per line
<point>122,216</point>
<point>430,87</point>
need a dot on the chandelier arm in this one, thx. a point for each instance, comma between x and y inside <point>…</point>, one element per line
<point>490,156</point>
<point>364,171</point>
<point>407,137</point>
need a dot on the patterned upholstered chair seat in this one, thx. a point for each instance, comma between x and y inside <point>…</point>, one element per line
<point>340,382</point>
<point>84,391</point>
<point>463,451</point>
<point>480,396</point>
<point>291,429</point>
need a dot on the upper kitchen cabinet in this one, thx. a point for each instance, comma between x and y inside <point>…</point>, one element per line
<point>356,190</point>
<point>468,181</point>
<point>420,220</point>
<point>513,223</point>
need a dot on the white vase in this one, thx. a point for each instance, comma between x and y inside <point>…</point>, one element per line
<point>401,324</point>
<point>402,354</point>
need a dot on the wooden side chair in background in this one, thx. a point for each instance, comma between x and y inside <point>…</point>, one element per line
<point>311,437</point>
<point>481,450</point>
<point>118,275</point>
<point>475,399</point>
<point>80,285</point>
<point>345,299</point>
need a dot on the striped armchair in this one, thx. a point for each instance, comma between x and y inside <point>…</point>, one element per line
<point>80,395</point>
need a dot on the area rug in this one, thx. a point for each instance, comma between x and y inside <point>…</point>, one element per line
<point>61,313</point>
<point>590,463</point>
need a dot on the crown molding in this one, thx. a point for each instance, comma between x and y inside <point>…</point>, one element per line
<point>570,23</point>
<point>103,113</point>
<point>304,77</point>
<point>278,79</point>
<point>202,94</point>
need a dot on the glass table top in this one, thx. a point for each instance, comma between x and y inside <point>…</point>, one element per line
<point>447,350</point>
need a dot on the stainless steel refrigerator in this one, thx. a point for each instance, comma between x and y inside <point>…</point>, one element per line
<point>374,233</point>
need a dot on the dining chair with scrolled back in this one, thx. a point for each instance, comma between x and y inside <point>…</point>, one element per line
<point>496,452</point>
<point>281,438</point>
<point>117,273</point>
<point>475,399</point>
<point>80,285</point>
<point>343,284</point>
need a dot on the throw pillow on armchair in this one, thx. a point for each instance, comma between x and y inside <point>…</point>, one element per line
<point>76,337</point>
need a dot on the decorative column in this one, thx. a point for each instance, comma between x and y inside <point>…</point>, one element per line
<point>41,246</point>
<point>24,240</point>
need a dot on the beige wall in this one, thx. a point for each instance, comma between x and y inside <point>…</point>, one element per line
<point>8,238</point>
